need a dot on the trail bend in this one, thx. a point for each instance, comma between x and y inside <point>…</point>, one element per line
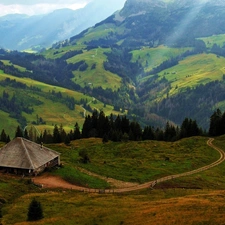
<point>57,182</point>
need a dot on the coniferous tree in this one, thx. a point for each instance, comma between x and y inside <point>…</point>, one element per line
<point>216,126</point>
<point>67,139</point>
<point>56,135</point>
<point>76,134</point>
<point>26,135</point>
<point>148,133</point>
<point>8,139</point>
<point>19,132</point>
<point>34,211</point>
<point>3,136</point>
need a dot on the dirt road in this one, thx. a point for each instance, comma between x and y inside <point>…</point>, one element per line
<point>120,186</point>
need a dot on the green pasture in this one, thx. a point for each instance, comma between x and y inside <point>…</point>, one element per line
<point>8,63</point>
<point>215,39</point>
<point>97,77</point>
<point>8,124</point>
<point>193,71</point>
<point>119,160</point>
<point>153,57</point>
<point>51,112</point>
<point>97,33</point>
<point>209,179</point>
<point>57,53</point>
<point>140,161</point>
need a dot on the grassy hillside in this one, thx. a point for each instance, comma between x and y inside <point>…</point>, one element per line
<point>196,199</point>
<point>153,57</point>
<point>215,39</point>
<point>141,161</point>
<point>52,112</point>
<point>193,71</point>
<point>97,76</point>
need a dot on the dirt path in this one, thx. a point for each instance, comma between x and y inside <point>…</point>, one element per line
<point>120,186</point>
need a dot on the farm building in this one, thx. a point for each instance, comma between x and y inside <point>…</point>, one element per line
<point>21,156</point>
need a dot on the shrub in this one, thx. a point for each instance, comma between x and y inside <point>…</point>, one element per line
<point>34,211</point>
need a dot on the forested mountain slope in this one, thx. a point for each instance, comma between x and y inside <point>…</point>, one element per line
<point>22,32</point>
<point>157,61</point>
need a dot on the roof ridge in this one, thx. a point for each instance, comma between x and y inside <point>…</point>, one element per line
<point>43,146</point>
<point>27,153</point>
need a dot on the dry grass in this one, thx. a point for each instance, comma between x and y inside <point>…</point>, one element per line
<point>153,207</point>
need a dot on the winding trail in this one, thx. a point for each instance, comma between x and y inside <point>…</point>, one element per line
<point>57,182</point>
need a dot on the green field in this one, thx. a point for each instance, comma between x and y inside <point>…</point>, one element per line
<point>51,53</point>
<point>97,77</point>
<point>193,71</point>
<point>178,199</point>
<point>8,63</point>
<point>142,161</point>
<point>153,57</point>
<point>215,39</point>
<point>52,112</point>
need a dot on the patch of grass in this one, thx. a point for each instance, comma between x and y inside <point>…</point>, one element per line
<point>74,176</point>
<point>153,57</point>
<point>140,161</point>
<point>188,200</point>
<point>215,39</point>
<point>144,208</point>
<point>193,71</point>
<point>98,76</point>
<point>47,110</point>
<point>8,63</point>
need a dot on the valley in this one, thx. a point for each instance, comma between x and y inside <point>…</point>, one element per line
<point>134,104</point>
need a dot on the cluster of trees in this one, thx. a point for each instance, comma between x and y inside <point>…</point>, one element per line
<point>196,102</point>
<point>119,62</point>
<point>120,128</point>
<point>116,129</point>
<point>15,106</point>
<point>59,97</point>
<point>4,137</point>
<point>217,123</point>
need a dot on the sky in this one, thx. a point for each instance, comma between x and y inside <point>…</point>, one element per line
<point>35,7</point>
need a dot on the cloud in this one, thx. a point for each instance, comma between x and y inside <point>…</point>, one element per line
<point>34,7</point>
<point>36,2</point>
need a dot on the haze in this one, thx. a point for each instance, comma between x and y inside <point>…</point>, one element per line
<point>35,7</point>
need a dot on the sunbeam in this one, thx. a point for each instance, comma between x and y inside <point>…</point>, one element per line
<point>187,20</point>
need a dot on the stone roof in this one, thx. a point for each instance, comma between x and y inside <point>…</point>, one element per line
<point>21,153</point>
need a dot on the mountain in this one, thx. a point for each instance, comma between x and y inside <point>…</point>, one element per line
<point>156,61</point>
<point>23,32</point>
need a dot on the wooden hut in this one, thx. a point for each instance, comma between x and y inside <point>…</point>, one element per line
<point>21,156</point>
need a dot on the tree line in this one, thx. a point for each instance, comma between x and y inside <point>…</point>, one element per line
<point>120,128</point>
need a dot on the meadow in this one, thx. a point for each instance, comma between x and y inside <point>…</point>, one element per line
<point>196,199</point>
<point>47,110</point>
<point>153,57</point>
<point>94,76</point>
<point>215,39</point>
<point>193,71</point>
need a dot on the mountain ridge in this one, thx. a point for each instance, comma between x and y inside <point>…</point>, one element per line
<point>22,32</point>
<point>155,67</point>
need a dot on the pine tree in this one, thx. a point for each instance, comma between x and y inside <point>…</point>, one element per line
<point>77,134</point>
<point>3,136</point>
<point>215,128</point>
<point>34,211</point>
<point>56,135</point>
<point>19,132</point>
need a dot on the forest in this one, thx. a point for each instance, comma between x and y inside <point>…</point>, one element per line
<point>120,128</point>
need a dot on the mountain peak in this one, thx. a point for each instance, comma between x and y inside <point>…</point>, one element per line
<point>133,7</point>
